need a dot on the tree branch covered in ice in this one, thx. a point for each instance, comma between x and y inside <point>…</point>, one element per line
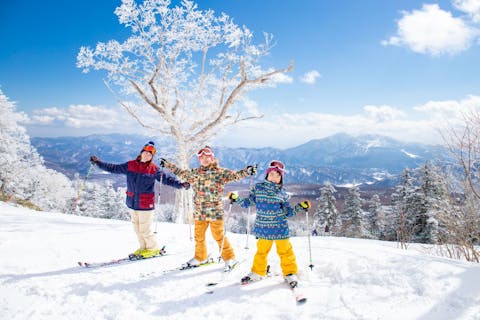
<point>182,71</point>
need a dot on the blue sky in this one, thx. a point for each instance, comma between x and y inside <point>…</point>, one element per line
<point>395,68</point>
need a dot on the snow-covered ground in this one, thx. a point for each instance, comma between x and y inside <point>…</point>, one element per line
<point>351,279</point>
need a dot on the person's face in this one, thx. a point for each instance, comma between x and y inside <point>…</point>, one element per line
<point>274,176</point>
<point>205,160</point>
<point>145,156</point>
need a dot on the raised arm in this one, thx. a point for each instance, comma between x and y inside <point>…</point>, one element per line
<point>232,175</point>
<point>243,202</point>
<point>183,174</point>
<point>110,167</point>
<point>170,180</point>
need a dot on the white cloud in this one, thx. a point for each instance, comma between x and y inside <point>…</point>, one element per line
<point>81,116</point>
<point>310,77</point>
<point>281,78</point>
<point>450,109</point>
<point>251,107</point>
<point>471,7</point>
<point>383,113</point>
<point>421,124</point>
<point>433,31</point>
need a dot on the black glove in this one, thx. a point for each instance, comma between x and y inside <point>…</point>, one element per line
<point>251,170</point>
<point>162,162</point>
<point>186,185</point>
<point>232,196</point>
<point>94,159</point>
<point>305,205</point>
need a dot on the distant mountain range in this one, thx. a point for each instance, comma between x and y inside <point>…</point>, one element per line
<point>339,159</point>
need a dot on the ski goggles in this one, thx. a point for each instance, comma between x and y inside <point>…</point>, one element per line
<point>205,151</point>
<point>149,148</point>
<point>275,164</point>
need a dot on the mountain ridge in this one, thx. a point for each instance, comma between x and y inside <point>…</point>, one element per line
<point>338,159</point>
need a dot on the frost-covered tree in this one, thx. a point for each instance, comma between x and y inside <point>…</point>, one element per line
<point>101,200</point>
<point>435,201</point>
<point>352,217</point>
<point>325,216</point>
<point>406,203</point>
<point>376,217</point>
<point>182,71</point>
<point>22,171</point>
<point>462,137</point>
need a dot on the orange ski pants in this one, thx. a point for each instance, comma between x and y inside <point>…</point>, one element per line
<point>216,228</point>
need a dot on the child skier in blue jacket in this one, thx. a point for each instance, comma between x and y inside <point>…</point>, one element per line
<point>271,224</point>
<point>141,175</point>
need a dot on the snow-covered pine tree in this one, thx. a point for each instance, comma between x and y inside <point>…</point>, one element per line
<point>435,201</point>
<point>326,213</point>
<point>376,217</point>
<point>406,202</point>
<point>22,171</point>
<point>352,217</point>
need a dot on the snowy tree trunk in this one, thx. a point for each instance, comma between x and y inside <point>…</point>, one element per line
<point>183,198</point>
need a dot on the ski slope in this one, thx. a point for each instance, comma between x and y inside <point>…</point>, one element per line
<point>351,278</point>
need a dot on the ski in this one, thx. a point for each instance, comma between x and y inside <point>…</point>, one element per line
<point>131,258</point>
<point>224,277</point>
<point>209,261</point>
<point>225,273</point>
<point>299,296</point>
<point>181,268</point>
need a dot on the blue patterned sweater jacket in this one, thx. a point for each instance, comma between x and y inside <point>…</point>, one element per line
<point>273,209</point>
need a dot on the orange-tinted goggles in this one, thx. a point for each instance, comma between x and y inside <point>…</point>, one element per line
<point>150,149</point>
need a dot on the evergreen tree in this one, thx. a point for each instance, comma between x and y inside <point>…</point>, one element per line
<point>435,200</point>
<point>405,205</point>
<point>326,214</point>
<point>376,217</point>
<point>352,218</point>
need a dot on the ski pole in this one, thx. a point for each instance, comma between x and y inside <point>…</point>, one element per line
<point>225,230</point>
<point>309,244</point>
<point>75,201</point>
<point>247,232</point>
<point>158,200</point>
<point>188,216</point>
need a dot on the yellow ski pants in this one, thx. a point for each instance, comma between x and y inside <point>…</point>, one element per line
<point>288,261</point>
<point>216,228</point>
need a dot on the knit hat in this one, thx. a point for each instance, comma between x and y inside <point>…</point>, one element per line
<point>149,147</point>
<point>207,151</point>
<point>278,166</point>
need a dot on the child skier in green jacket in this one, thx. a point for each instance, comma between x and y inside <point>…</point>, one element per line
<point>271,224</point>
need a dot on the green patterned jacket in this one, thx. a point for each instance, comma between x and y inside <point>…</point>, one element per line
<point>208,184</point>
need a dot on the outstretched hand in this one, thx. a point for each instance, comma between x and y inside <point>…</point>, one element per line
<point>251,170</point>
<point>305,205</point>
<point>94,159</point>
<point>163,161</point>
<point>232,196</point>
